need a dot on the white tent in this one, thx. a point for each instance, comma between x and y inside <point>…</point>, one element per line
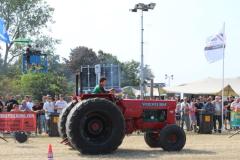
<point>155,91</point>
<point>211,86</point>
<point>147,90</point>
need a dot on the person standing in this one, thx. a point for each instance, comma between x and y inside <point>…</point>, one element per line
<point>217,114</point>
<point>10,102</point>
<point>199,106</point>
<point>235,106</point>
<point>1,104</point>
<point>227,112</point>
<point>29,102</point>
<point>185,114</point>
<point>28,54</point>
<point>24,107</point>
<point>192,116</point>
<point>178,112</point>
<point>208,108</point>
<point>49,109</point>
<point>60,104</point>
<point>15,108</point>
<point>41,121</point>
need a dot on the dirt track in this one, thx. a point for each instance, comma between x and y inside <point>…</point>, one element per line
<point>198,147</point>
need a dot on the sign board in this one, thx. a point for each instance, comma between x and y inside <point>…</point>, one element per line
<point>235,119</point>
<point>17,121</point>
<point>97,69</point>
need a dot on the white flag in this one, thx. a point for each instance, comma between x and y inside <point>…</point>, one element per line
<point>215,46</point>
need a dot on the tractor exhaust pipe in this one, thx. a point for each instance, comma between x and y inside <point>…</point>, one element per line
<point>77,84</point>
<point>151,89</point>
<point>81,82</point>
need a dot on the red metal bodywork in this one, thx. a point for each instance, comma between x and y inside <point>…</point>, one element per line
<point>133,111</point>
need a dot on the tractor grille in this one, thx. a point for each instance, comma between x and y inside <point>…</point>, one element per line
<point>154,115</point>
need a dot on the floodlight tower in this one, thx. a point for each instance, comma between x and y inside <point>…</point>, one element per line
<point>143,8</point>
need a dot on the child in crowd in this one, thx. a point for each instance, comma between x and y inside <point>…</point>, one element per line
<point>15,108</point>
<point>192,116</point>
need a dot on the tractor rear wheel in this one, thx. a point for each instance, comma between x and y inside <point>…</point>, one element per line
<point>95,126</point>
<point>172,138</point>
<point>152,139</point>
<point>63,119</point>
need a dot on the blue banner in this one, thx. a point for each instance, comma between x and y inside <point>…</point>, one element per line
<point>3,33</point>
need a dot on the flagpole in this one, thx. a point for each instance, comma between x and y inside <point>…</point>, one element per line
<point>223,63</point>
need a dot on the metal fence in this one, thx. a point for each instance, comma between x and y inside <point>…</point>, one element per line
<point>92,74</point>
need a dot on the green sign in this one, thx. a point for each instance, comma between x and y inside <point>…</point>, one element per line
<point>22,41</point>
<point>235,119</point>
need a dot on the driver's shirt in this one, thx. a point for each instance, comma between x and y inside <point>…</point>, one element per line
<point>99,89</point>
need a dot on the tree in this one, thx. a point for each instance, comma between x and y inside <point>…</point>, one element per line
<point>8,86</point>
<point>47,44</point>
<point>81,56</point>
<point>60,68</point>
<point>23,18</point>
<point>147,73</point>
<point>39,84</point>
<point>107,58</point>
<point>130,73</point>
<point>1,65</point>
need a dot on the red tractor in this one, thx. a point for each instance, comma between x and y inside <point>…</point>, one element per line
<point>97,123</point>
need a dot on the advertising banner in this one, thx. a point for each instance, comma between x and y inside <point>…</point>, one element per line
<point>17,121</point>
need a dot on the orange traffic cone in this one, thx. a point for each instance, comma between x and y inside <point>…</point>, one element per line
<point>50,153</point>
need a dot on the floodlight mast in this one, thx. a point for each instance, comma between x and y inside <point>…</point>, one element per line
<point>144,8</point>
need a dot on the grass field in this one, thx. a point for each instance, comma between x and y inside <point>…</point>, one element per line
<point>198,147</point>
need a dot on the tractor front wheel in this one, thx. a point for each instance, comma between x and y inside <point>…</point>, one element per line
<point>172,138</point>
<point>95,126</point>
<point>63,119</point>
<point>152,139</point>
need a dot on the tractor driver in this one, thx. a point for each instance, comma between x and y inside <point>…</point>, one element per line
<point>100,87</point>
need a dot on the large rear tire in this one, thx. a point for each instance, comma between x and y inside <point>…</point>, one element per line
<point>152,139</point>
<point>63,119</point>
<point>95,126</point>
<point>172,138</point>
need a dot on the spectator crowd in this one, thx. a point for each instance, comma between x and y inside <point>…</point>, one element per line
<point>188,112</point>
<point>43,109</point>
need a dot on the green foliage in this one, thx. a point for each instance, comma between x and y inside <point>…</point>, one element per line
<point>129,91</point>
<point>147,73</point>
<point>55,65</point>
<point>8,86</point>
<point>47,44</point>
<point>23,18</point>
<point>130,73</point>
<point>81,56</point>
<point>39,84</point>
<point>107,58</point>
<point>1,65</point>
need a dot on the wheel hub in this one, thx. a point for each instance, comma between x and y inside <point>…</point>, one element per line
<point>95,127</point>
<point>172,138</point>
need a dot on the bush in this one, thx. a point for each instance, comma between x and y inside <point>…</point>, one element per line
<point>39,84</point>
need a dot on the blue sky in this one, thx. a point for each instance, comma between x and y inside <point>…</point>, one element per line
<point>175,33</point>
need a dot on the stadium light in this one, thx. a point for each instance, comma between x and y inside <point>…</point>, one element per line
<point>144,8</point>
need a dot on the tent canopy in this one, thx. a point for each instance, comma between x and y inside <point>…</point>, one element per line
<point>211,86</point>
<point>147,90</point>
